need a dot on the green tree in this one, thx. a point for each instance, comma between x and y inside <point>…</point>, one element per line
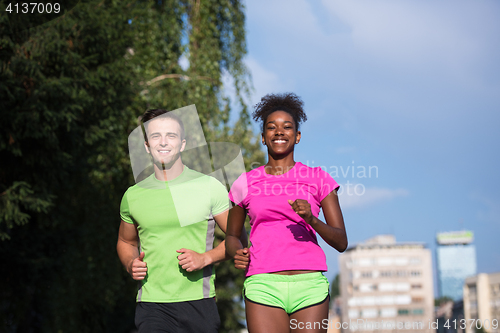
<point>334,288</point>
<point>65,91</point>
<point>70,93</point>
<point>209,37</point>
<point>442,300</point>
<point>480,330</point>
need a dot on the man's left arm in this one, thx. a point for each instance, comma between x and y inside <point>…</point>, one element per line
<point>193,261</point>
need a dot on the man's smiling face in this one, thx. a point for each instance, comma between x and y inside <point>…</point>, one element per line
<point>164,141</point>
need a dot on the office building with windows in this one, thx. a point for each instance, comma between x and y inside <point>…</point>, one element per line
<point>386,286</point>
<point>482,303</point>
<point>456,260</point>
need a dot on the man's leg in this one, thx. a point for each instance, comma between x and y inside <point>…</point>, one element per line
<point>198,316</point>
<point>179,317</point>
<point>155,318</point>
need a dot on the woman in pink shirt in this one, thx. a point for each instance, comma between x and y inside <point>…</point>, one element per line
<point>284,288</point>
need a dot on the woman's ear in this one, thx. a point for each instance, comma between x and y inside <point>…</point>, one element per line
<point>297,137</point>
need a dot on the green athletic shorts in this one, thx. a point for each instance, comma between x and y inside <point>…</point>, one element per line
<point>288,292</point>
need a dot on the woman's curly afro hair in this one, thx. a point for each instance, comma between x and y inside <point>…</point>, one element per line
<point>288,102</point>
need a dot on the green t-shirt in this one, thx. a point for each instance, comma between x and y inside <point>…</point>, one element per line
<point>171,215</point>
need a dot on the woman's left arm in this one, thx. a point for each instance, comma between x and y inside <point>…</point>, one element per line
<point>333,231</point>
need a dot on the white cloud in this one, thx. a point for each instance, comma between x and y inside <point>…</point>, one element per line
<point>356,195</point>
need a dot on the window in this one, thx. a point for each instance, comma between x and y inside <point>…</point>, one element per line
<point>366,275</point>
<point>418,312</point>
<point>403,261</point>
<point>385,300</point>
<point>403,299</point>
<point>386,286</point>
<point>353,313</point>
<point>367,287</point>
<point>385,273</point>
<point>388,312</point>
<point>403,312</point>
<point>415,260</point>
<point>402,286</point>
<point>415,273</point>
<point>369,313</point>
<point>365,262</point>
<point>495,289</point>
<point>384,261</point>
<point>367,300</point>
<point>416,286</point>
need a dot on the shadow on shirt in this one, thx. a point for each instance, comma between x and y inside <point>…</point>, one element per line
<point>300,233</point>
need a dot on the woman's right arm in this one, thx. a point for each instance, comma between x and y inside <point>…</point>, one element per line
<point>234,237</point>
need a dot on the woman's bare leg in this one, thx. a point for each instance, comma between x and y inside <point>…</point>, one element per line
<point>265,319</point>
<point>311,319</point>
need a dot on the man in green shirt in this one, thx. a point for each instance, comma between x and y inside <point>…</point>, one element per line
<point>171,215</point>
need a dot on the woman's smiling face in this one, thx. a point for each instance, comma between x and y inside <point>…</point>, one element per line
<point>280,133</point>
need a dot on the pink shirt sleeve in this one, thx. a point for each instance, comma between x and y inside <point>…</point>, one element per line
<point>239,190</point>
<point>327,184</point>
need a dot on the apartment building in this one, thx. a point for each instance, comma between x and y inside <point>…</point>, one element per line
<point>386,286</point>
<point>482,303</point>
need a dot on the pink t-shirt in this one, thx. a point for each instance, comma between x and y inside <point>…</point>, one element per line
<point>281,239</point>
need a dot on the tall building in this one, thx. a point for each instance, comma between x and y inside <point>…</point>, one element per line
<point>456,260</point>
<point>386,286</point>
<point>482,302</point>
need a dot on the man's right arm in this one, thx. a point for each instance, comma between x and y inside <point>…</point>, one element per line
<point>128,252</point>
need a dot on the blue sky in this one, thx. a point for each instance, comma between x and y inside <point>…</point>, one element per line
<point>410,88</point>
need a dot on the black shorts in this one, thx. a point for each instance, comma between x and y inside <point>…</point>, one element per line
<point>180,317</point>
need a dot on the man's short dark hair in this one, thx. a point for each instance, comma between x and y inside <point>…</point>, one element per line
<point>153,113</point>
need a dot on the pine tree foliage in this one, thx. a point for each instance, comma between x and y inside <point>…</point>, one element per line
<point>334,287</point>
<point>70,93</point>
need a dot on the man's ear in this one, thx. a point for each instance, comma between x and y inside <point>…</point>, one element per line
<point>146,145</point>
<point>297,137</point>
<point>183,145</point>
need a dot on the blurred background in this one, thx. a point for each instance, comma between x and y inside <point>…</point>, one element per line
<point>403,105</point>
